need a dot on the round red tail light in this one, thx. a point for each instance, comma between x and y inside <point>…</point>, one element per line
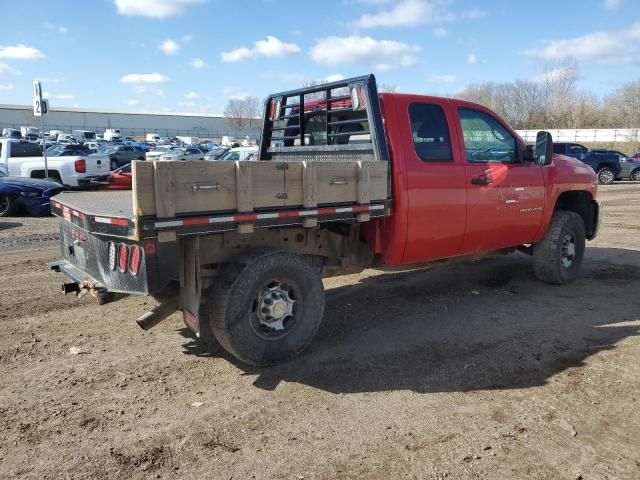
<point>134,262</point>
<point>123,256</point>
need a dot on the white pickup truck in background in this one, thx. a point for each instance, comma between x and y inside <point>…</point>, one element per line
<point>19,158</point>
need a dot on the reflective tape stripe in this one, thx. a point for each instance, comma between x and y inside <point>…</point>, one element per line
<point>245,217</point>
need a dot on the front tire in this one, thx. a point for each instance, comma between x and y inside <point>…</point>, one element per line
<point>606,176</point>
<point>635,175</point>
<point>266,306</point>
<point>557,258</point>
<point>8,205</point>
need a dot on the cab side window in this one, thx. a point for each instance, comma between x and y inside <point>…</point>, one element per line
<point>430,132</point>
<point>485,139</point>
<point>558,148</point>
<point>577,150</point>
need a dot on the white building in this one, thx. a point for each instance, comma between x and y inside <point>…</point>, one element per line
<point>131,124</point>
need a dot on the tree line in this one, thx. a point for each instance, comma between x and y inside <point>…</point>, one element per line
<point>553,101</point>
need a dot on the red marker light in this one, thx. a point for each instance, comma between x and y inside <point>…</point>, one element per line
<point>134,262</point>
<point>123,256</point>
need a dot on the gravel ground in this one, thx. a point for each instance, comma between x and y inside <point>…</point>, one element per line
<point>462,371</point>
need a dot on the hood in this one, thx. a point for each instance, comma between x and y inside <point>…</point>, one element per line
<point>29,183</point>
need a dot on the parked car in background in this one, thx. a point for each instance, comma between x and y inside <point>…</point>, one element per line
<point>189,153</point>
<point>11,133</point>
<point>215,153</point>
<point>629,166</point>
<point>607,166</point>
<point>117,156</point>
<point>157,152</point>
<point>112,135</point>
<point>120,179</point>
<point>30,195</point>
<point>93,146</point>
<point>240,153</point>
<point>57,149</point>
<point>19,158</point>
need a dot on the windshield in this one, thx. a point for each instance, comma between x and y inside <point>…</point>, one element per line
<point>107,150</point>
<point>177,151</point>
<point>2,174</point>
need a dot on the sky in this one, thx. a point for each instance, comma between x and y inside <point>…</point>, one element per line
<point>195,55</point>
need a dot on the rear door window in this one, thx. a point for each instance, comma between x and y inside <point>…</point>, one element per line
<point>430,132</point>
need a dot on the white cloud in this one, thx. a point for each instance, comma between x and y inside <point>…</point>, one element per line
<point>169,47</point>
<point>336,77</point>
<point>140,78</point>
<point>20,52</point>
<point>63,96</point>
<point>235,93</point>
<point>440,32</point>
<point>472,59</point>
<point>6,86</point>
<point>269,47</point>
<point>408,13</point>
<point>610,47</point>
<point>555,74</point>
<point>154,8</point>
<point>187,38</point>
<point>132,101</point>
<point>8,71</point>
<point>191,95</point>
<point>612,4</point>
<point>442,79</point>
<point>382,54</point>
<point>58,28</point>
<point>197,63</point>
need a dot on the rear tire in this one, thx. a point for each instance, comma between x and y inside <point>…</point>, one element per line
<point>266,306</point>
<point>557,258</point>
<point>8,205</point>
<point>606,176</point>
<point>114,164</point>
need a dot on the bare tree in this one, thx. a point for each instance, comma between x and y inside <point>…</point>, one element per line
<point>388,88</point>
<point>243,113</point>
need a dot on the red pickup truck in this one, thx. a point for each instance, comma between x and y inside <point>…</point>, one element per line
<point>347,179</point>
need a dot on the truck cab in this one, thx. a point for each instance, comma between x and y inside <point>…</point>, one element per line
<point>607,166</point>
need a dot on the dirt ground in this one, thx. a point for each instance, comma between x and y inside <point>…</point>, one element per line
<point>464,371</point>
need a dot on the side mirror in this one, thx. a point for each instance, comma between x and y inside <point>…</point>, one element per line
<point>544,148</point>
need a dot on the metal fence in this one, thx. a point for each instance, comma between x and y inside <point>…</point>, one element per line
<point>140,133</point>
<point>583,135</point>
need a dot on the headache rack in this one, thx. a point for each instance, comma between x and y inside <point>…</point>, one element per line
<point>337,121</point>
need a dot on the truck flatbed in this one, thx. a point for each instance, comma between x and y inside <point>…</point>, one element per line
<point>117,204</point>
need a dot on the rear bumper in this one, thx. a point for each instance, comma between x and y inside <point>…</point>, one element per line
<point>75,274</point>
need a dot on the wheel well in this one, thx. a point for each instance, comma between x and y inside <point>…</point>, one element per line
<point>40,174</point>
<point>606,165</point>
<point>579,202</point>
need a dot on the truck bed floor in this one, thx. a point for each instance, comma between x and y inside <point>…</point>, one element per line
<point>109,204</point>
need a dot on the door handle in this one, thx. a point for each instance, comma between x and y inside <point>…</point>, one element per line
<point>480,181</point>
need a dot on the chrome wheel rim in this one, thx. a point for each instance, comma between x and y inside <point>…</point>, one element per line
<point>606,176</point>
<point>568,253</point>
<point>635,176</point>
<point>273,310</point>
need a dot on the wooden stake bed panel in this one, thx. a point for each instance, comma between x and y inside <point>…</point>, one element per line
<point>170,189</point>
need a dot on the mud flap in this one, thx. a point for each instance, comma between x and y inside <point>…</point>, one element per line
<point>190,284</point>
